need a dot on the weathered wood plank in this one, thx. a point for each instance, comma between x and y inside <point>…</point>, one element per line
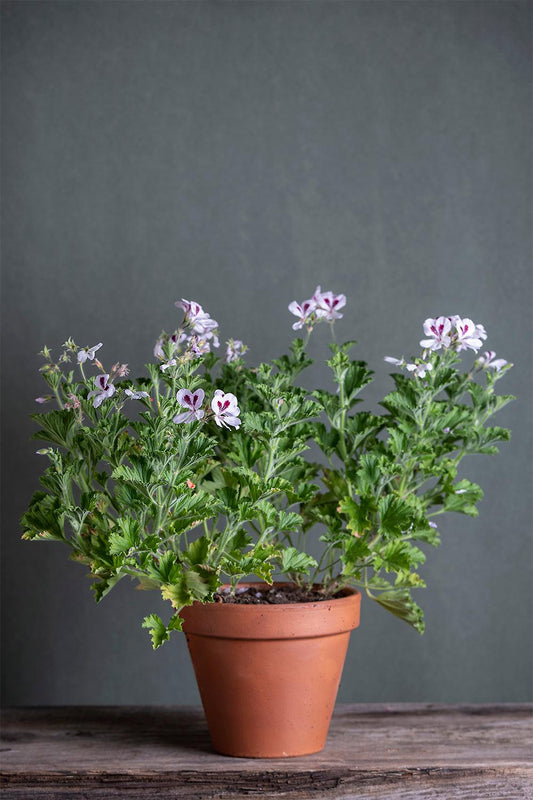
<point>405,752</point>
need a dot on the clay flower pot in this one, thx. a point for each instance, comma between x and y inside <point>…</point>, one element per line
<point>268,674</point>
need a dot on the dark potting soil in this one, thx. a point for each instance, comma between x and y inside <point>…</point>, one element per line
<point>271,595</point>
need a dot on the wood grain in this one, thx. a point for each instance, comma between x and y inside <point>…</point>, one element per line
<point>405,752</point>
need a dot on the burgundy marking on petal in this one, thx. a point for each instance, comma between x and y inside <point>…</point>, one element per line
<point>226,404</point>
<point>187,398</point>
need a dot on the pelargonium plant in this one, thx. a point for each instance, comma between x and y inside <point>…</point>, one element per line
<point>199,474</point>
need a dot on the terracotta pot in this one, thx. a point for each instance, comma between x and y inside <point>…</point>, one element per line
<point>268,674</point>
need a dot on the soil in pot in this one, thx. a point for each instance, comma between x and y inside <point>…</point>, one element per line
<point>273,595</point>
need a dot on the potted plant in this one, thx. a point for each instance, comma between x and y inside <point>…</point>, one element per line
<point>196,481</point>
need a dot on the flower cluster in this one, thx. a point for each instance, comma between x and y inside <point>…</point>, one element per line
<point>224,408</point>
<point>198,333</point>
<point>235,350</point>
<point>452,333</point>
<point>419,368</point>
<point>87,353</point>
<point>489,361</point>
<point>321,307</point>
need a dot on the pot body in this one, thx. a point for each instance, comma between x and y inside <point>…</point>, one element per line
<point>268,675</point>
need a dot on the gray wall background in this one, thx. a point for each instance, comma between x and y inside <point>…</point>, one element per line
<point>239,153</point>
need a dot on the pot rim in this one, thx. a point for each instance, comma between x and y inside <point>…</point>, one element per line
<point>281,621</point>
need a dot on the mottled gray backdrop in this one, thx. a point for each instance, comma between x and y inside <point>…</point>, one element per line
<point>239,153</point>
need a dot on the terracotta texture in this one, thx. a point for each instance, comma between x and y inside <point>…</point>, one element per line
<point>268,674</point>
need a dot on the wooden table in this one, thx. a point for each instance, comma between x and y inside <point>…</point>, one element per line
<point>374,751</point>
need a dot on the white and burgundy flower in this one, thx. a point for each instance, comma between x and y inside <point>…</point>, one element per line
<point>206,328</point>
<point>87,353</point>
<point>198,345</point>
<point>398,362</point>
<point>438,331</point>
<point>225,409</point>
<point>135,395</point>
<point>103,391</point>
<point>419,369</point>
<point>235,349</point>
<point>481,333</point>
<point>489,361</point>
<point>303,312</point>
<point>43,399</point>
<point>468,335</point>
<point>174,341</point>
<point>193,402</point>
<point>170,363</point>
<point>192,309</point>
<point>327,304</point>
<point>199,320</point>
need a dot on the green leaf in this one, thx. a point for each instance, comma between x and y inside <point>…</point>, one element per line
<point>400,603</point>
<point>292,560</point>
<point>395,515</point>
<point>126,537</point>
<point>465,496</point>
<point>197,551</point>
<point>358,521</point>
<point>368,474</point>
<point>104,585</point>
<point>43,519</point>
<point>355,552</point>
<point>396,556</point>
<point>165,568</point>
<point>289,521</point>
<point>158,629</point>
<point>56,426</point>
<point>357,376</point>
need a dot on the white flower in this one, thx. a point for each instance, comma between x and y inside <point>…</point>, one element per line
<point>303,312</point>
<point>199,320</point>
<point>175,340</point>
<point>399,362</point>
<point>136,395</point>
<point>193,310</point>
<point>467,335</point>
<point>488,361</point>
<point>235,350</point>
<point>225,409</point>
<point>419,369</point>
<point>198,346</point>
<point>438,331</point>
<point>481,333</point>
<point>88,353</point>
<point>328,304</point>
<point>170,363</point>
<point>193,402</point>
<point>103,390</point>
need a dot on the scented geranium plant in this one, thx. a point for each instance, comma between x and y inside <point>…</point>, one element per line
<point>198,474</point>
